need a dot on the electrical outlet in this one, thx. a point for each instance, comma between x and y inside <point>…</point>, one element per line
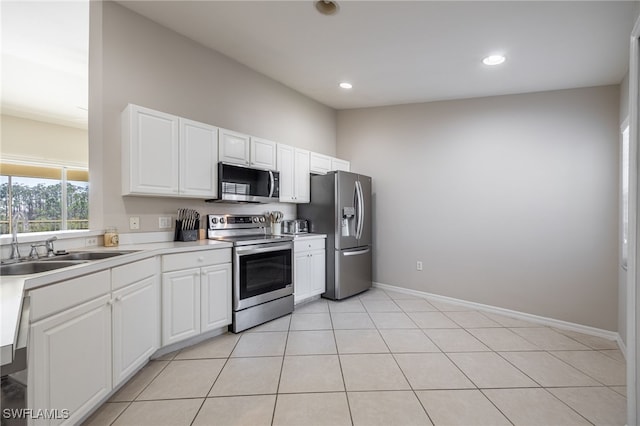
<point>164,222</point>
<point>134,222</point>
<point>90,242</point>
<point>419,265</point>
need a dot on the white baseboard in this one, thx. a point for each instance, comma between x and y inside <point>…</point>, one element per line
<point>551,322</point>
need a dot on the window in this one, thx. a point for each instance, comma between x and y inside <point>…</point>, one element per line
<point>49,198</point>
<point>625,195</point>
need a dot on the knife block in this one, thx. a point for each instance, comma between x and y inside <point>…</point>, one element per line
<point>185,234</point>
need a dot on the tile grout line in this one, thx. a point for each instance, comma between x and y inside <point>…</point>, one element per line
<point>129,403</point>
<point>344,382</point>
<point>284,351</point>
<point>403,373</point>
<point>226,361</point>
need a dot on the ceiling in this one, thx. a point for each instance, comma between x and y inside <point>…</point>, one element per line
<point>396,52</point>
<point>393,52</point>
<point>45,49</point>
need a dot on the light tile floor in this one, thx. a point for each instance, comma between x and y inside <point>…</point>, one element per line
<point>381,358</point>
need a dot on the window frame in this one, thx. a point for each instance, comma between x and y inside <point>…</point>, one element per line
<point>64,170</point>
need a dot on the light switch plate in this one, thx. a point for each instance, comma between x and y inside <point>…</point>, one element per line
<point>164,222</point>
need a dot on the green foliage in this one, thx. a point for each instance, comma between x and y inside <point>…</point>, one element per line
<point>42,205</point>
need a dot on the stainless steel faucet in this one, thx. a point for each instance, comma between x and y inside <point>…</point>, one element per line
<point>33,254</point>
<point>15,250</point>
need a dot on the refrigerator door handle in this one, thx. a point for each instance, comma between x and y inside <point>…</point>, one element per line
<point>356,252</point>
<point>360,210</point>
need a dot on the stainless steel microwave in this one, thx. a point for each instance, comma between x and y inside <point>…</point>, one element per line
<point>247,185</point>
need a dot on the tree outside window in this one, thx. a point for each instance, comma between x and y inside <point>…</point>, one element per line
<point>47,197</point>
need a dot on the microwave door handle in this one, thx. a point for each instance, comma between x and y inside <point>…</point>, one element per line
<point>272,184</point>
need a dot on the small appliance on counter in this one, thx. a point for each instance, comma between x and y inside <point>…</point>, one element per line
<point>298,226</point>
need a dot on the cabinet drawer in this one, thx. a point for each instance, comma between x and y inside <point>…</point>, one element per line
<point>306,245</point>
<point>67,294</point>
<point>124,275</point>
<point>195,259</point>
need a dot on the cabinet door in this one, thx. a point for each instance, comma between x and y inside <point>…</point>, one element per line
<point>263,153</point>
<point>318,272</point>
<point>320,164</point>
<point>233,147</point>
<point>302,179</point>
<point>70,360</point>
<point>302,271</point>
<point>136,326</point>
<point>180,305</point>
<point>215,292</point>
<point>150,152</point>
<point>286,167</point>
<point>338,164</point>
<point>198,159</point>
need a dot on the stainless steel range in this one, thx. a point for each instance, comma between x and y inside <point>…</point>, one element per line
<point>262,268</point>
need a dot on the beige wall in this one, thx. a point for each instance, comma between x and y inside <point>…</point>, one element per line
<point>144,63</point>
<point>30,140</point>
<point>509,201</point>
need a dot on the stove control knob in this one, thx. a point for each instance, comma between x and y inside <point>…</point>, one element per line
<point>262,219</point>
<point>255,219</point>
<point>214,220</point>
<point>222,220</point>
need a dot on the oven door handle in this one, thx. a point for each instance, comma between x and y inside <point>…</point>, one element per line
<point>243,251</point>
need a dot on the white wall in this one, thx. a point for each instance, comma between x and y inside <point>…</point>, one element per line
<point>31,140</point>
<point>138,61</point>
<point>510,201</point>
<point>622,273</point>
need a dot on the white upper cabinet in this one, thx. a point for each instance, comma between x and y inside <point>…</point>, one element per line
<point>303,178</point>
<point>234,147</point>
<point>293,165</point>
<point>150,152</point>
<point>198,159</point>
<point>263,153</point>
<point>238,148</point>
<point>338,164</point>
<point>165,155</point>
<point>321,164</point>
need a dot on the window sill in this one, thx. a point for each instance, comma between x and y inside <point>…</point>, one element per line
<point>32,237</point>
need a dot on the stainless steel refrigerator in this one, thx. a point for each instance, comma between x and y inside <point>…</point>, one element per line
<point>341,208</point>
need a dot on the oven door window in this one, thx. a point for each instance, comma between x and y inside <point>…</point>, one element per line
<point>262,273</point>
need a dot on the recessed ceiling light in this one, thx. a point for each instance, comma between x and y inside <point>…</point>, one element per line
<point>346,85</point>
<point>494,60</point>
<point>327,7</point>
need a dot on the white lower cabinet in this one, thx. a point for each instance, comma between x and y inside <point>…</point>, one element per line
<point>215,297</point>
<point>88,334</point>
<point>70,361</point>
<point>86,339</point>
<point>180,305</point>
<point>136,326</point>
<point>196,294</point>
<point>309,268</point>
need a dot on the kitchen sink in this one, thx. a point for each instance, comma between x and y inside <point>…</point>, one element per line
<point>26,268</point>
<point>88,255</point>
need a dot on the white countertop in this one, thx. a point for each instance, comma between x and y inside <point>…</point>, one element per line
<point>306,236</point>
<point>13,288</point>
